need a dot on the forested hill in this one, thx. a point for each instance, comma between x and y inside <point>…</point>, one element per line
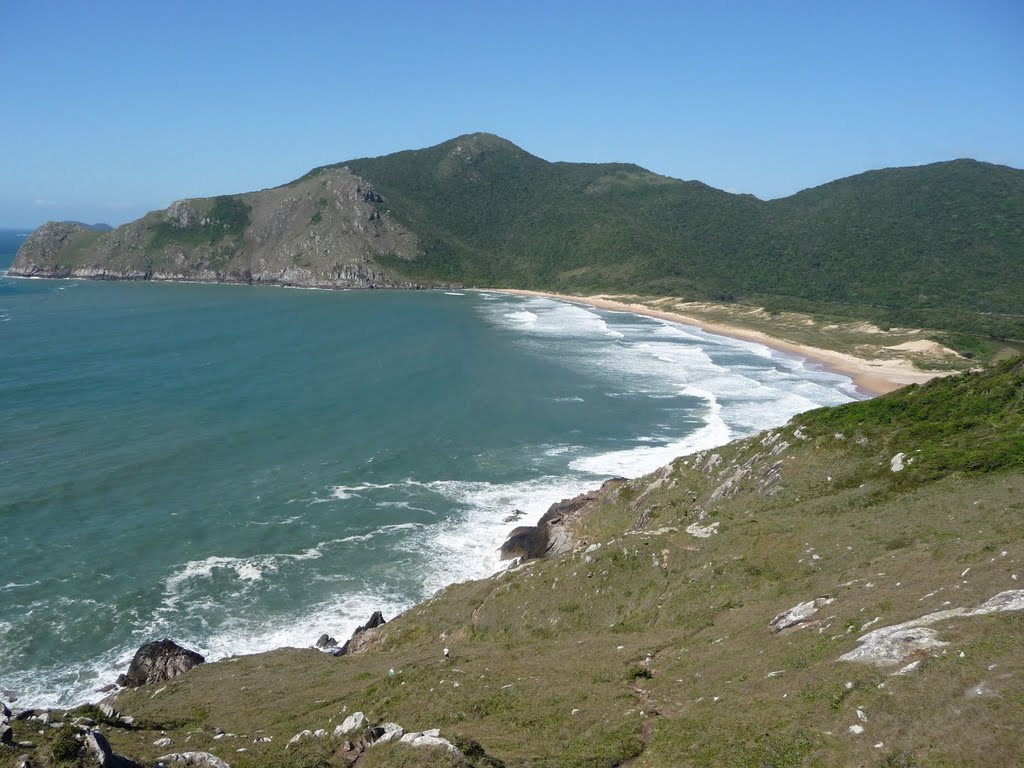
<point>940,245</point>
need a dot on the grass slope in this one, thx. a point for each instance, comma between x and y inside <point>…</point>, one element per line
<point>650,646</point>
<point>940,245</point>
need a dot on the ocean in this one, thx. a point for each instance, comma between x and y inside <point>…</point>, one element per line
<point>243,468</point>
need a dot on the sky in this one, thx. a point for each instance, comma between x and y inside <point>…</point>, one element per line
<point>111,109</point>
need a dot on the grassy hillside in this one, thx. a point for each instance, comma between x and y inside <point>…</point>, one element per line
<point>650,644</point>
<point>939,245</point>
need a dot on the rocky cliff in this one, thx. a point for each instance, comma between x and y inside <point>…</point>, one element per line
<point>331,230</point>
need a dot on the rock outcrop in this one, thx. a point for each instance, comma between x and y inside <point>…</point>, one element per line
<point>327,230</point>
<point>158,661</point>
<point>552,535</point>
<point>363,636</point>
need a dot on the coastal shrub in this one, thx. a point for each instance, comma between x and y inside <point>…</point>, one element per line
<point>64,745</point>
<point>969,423</point>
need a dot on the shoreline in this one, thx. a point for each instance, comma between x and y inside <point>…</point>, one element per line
<point>823,357</point>
<point>871,377</point>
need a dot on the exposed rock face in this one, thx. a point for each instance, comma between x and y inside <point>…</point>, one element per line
<point>158,661</point>
<point>552,535</point>
<point>364,635</point>
<point>327,230</point>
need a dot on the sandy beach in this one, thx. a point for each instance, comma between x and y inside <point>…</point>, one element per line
<point>872,377</point>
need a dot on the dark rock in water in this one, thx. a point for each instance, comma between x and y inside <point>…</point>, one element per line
<point>325,641</point>
<point>4,711</point>
<point>159,661</point>
<point>552,534</point>
<point>517,514</point>
<point>363,635</point>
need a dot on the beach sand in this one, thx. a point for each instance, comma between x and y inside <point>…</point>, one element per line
<point>872,377</point>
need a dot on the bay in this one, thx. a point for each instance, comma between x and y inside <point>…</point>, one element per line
<point>244,468</point>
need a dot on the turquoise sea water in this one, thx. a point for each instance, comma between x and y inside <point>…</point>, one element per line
<point>244,468</point>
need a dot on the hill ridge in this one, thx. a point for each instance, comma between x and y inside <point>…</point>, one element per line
<point>939,245</point>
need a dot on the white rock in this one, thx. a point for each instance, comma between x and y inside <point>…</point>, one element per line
<point>429,738</point>
<point>896,462</point>
<point>857,729</point>
<point>197,759</point>
<point>702,531</point>
<point>392,731</point>
<point>800,613</point>
<point>891,645</point>
<point>164,742</point>
<point>1011,600</point>
<point>354,721</point>
<point>307,734</point>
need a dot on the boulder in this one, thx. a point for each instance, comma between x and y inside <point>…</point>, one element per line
<point>431,738</point>
<point>158,661</point>
<point>385,732</point>
<point>355,721</point>
<point>363,635</point>
<point>6,734</point>
<point>98,747</point>
<point>194,759</point>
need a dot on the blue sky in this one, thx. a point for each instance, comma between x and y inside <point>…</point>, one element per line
<point>111,109</point>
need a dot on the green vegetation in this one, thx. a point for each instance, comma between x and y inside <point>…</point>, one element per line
<point>939,246</point>
<point>226,217</point>
<point>651,647</point>
<point>318,214</point>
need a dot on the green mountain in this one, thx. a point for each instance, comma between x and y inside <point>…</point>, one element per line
<point>847,589</point>
<point>939,245</point>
